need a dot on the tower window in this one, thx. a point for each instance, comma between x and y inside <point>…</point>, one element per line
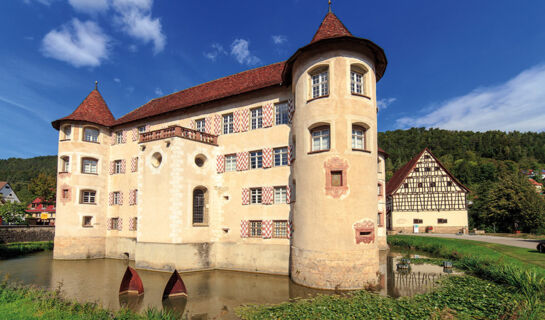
<point>89,165</point>
<point>65,161</point>
<point>357,80</point>
<point>358,138</point>
<point>281,113</point>
<point>88,196</point>
<point>257,118</point>
<point>320,138</point>
<point>336,178</point>
<point>228,123</point>
<point>320,83</point>
<point>90,135</point>
<point>67,132</point>
<point>200,125</point>
<point>87,220</point>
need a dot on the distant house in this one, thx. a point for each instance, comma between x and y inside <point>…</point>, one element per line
<point>7,193</point>
<point>537,185</point>
<point>41,213</point>
<point>423,195</point>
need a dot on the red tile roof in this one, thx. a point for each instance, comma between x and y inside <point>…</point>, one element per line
<point>331,27</point>
<point>239,83</point>
<point>399,176</point>
<point>2,184</point>
<point>40,207</point>
<point>386,155</point>
<point>93,109</point>
<point>535,183</point>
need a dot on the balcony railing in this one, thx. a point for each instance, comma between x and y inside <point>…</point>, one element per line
<point>181,132</point>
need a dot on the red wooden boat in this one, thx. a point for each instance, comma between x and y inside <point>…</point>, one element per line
<point>131,283</point>
<point>175,286</point>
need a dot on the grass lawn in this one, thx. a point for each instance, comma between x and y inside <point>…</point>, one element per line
<point>14,249</point>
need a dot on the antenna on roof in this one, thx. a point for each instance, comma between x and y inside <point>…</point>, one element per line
<point>329,3</point>
<point>96,85</point>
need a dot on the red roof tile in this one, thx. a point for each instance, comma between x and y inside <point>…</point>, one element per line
<point>93,109</point>
<point>239,83</point>
<point>399,176</point>
<point>331,27</point>
<point>386,155</point>
<point>2,184</point>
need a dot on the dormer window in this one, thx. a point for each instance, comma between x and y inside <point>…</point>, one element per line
<point>90,135</point>
<point>320,83</point>
<point>357,80</point>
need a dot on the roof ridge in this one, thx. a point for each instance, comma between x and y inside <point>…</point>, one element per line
<point>330,27</point>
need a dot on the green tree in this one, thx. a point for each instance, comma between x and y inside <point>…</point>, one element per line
<point>12,213</point>
<point>43,186</point>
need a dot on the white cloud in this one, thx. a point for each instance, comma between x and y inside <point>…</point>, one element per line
<point>117,80</point>
<point>279,39</point>
<point>217,49</point>
<point>44,2</point>
<point>517,104</point>
<point>82,44</point>
<point>89,6</point>
<point>240,50</point>
<point>159,92</point>
<point>134,17</point>
<point>385,102</point>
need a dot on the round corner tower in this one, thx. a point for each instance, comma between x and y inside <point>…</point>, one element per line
<point>334,244</point>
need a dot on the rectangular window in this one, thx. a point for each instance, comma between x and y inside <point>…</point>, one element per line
<point>356,82</point>
<point>379,190</point>
<point>436,168</point>
<point>65,193</point>
<point>231,162</point>
<point>67,132</point>
<point>119,137</point>
<point>114,223</point>
<point>255,229</point>
<point>117,166</point>
<point>256,159</point>
<point>228,123</point>
<point>89,166</point>
<point>255,196</point>
<point>280,194</point>
<point>420,184</point>
<point>441,221</point>
<point>257,118</point>
<point>432,184</point>
<point>418,221</point>
<point>320,139</point>
<point>88,197</point>
<point>90,134</point>
<point>336,178</point>
<point>449,183</point>
<point>358,135</point>
<point>200,125</point>
<point>117,197</point>
<point>280,157</point>
<point>406,185</point>
<point>65,164</point>
<point>141,129</point>
<point>416,169</point>
<point>281,113</point>
<point>320,85</point>
<point>87,220</point>
<point>427,169</point>
<point>280,229</point>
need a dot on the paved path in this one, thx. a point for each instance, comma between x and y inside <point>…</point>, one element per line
<point>515,242</point>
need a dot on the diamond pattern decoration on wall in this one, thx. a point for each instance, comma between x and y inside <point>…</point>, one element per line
<point>244,228</point>
<point>242,161</point>
<point>245,196</point>
<point>123,165</point>
<point>132,224</point>
<point>112,167</point>
<point>109,224</point>
<point>220,163</point>
<point>267,157</point>
<point>266,229</point>
<point>217,124</point>
<point>134,134</point>
<point>267,197</point>
<point>208,124</point>
<point>244,116</point>
<point>119,224</point>
<point>268,115</point>
<point>134,164</point>
<point>111,199</point>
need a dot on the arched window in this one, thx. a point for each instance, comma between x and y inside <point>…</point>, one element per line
<point>200,200</point>
<point>66,132</point>
<point>65,164</point>
<point>319,82</point>
<point>320,138</point>
<point>89,165</point>
<point>357,79</point>
<point>358,137</point>
<point>90,134</point>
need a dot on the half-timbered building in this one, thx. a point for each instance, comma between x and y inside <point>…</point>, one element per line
<point>423,196</point>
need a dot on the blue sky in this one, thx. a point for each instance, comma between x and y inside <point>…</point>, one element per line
<point>466,65</point>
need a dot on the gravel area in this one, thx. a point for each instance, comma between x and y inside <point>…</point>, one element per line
<point>522,243</point>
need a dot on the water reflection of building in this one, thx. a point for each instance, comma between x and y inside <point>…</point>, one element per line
<point>260,171</point>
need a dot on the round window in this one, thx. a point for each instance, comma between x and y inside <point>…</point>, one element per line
<point>156,159</point>
<point>200,160</point>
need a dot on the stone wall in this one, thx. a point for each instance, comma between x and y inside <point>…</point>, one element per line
<point>26,233</point>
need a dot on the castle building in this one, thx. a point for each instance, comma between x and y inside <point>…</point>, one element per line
<point>269,170</point>
<point>423,196</point>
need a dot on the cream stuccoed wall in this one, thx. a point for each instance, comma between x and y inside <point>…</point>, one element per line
<point>324,252</point>
<point>456,221</point>
<point>381,225</point>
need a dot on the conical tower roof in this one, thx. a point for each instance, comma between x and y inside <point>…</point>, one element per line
<point>93,109</point>
<point>331,27</point>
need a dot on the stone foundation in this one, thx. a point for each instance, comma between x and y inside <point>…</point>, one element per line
<point>79,248</point>
<point>342,270</point>
<point>26,233</point>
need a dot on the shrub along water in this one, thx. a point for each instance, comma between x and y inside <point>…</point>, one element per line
<point>14,249</point>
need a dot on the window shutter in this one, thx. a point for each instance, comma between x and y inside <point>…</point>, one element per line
<point>111,198</point>
<point>217,124</point>
<point>268,195</point>
<point>132,225</point>
<point>125,133</point>
<point>291,154</point>
<point>266,229</point>
<point>208,124</point>
<point>112,166</point>
<point>134,134</point>
<point>291,110</point>
<point>245,196</point>
<point>244,116</point>
<point>134,164</point>
<point>120,198</point>
<point>148,127</point>
<point>131,197</point>
<point>244,228</point>
<point>242,161</point>
<point>119,223</point>
<point>113,139</point>
<point>290,231</point>
<point>123,166</point>
<point>288,194</point>
<point>109,224</point>
<point>268,115</point>
<point>220,163</point>
<point>236,121</point>
<point>267,157</point>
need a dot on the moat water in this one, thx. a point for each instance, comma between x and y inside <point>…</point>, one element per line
<point>211,294</point>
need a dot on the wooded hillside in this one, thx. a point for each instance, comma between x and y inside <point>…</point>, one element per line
<point>18,172</point>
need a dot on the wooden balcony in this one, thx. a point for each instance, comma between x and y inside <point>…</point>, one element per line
<point>181,132</point>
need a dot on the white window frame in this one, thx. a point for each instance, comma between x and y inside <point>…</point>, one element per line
<point>142,129</point>
<point>280,154</point>
<point>88,195</point>
<point>90,134</point>
<point>256,159</point>
<point>67,132</point>
<point>357,82</point>
<point>65,163</point>
<point>231,162</point>
<point>200,125</point>
<point>280,195</point>
<point>114,223</point>
<point>89,166</point>
<point>320,84</point>
<point>281,225</point>
<point>257,118</point>
<point>117,166</point>
<point>358,138</point>
<point>321,139</point>
<point>258,228</point>
<point>281,113</point>
<point>228,123</point>
<point>256,196</point>
<point>116,196</point>
<point>119,137</point>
